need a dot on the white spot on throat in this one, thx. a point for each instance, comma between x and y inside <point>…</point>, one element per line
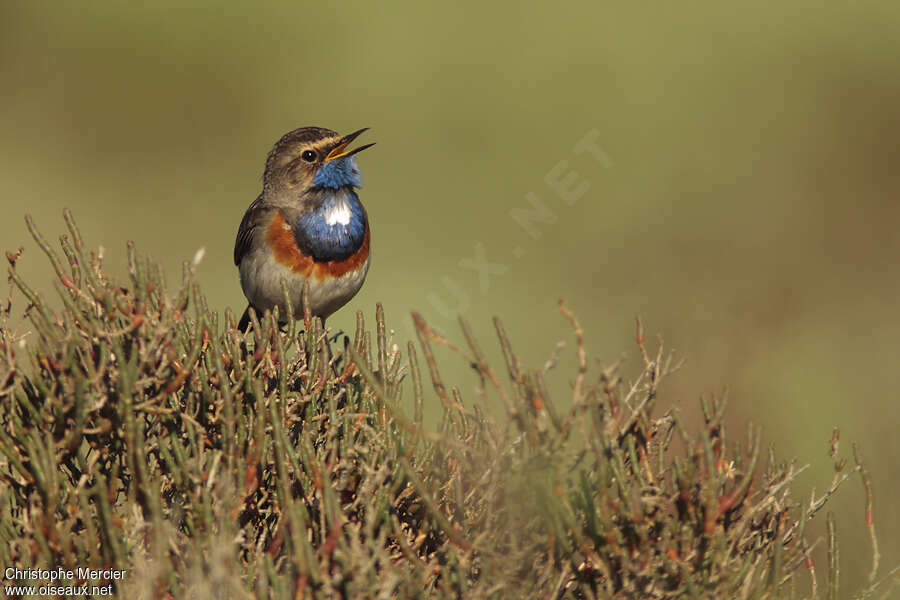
<point>339,214</point>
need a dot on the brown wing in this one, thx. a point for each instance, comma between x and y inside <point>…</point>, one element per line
<point>253,218</point>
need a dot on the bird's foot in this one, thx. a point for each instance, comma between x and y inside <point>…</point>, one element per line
<point>338,360</point>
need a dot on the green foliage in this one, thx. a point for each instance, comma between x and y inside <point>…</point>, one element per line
<point>139,431</point>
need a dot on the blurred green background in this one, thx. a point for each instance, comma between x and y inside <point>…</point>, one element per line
<point>745,203</point>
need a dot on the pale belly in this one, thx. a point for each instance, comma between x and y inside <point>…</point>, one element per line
<point>261,281</point>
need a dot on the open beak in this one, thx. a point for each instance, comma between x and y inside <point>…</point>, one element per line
<point>339,150</point>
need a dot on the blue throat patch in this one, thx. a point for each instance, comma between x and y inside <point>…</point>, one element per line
<point>338,173</point>
<point>333,231</point>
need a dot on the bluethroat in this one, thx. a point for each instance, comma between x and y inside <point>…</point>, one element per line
<point>307,226</point>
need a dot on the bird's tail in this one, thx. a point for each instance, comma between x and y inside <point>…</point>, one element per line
<point>244,323</point>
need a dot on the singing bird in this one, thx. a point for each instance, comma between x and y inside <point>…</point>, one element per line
<point>307,225</point>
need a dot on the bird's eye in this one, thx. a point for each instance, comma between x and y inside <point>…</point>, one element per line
<point>309,156</point>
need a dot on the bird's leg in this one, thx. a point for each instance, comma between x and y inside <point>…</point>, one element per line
<point>242,326</point>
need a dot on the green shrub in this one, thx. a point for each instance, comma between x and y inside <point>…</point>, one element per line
<point>141,432</point>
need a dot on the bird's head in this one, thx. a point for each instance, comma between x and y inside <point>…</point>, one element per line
<point>309,158</point>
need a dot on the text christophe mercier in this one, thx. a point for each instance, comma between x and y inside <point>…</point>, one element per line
<point>60,574</point>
